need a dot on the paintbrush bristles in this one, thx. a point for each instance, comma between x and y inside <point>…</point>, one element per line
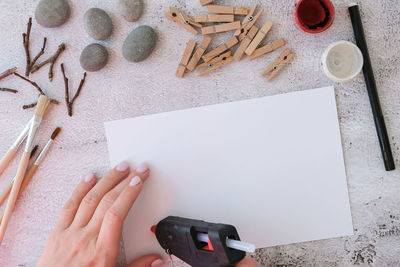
<point>33,151</point>
<point>48,108</point>
<point>55,133</point>
<point>42,105</point>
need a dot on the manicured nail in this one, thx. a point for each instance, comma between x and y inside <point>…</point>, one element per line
<point>123,166</point>
<point>88,178</point>
<point>142,167</point>
<point>157,263</point>
<point>135,181</point>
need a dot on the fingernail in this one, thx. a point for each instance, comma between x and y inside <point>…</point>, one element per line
<point>123,166</point>
<point>157,263</point>
<point>142,167</point>
<point>135,181</point>
<point>88,178</point>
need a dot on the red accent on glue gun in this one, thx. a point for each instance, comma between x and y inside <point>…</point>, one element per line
<point>208,246</point>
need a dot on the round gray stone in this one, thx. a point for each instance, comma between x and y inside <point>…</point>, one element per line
<point>94,57</point>
<point>139,44</point>
<point>131,10</point>
<point>98,23</point>
<point>52,13</point>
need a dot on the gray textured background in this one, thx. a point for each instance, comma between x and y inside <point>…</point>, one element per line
<point>124,90</point>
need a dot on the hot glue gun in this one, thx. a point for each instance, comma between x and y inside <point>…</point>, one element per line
<point>200,243</point>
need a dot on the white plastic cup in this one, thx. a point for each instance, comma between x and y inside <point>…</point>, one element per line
<point>342,61</point>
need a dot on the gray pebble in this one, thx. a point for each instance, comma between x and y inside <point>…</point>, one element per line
<point>94,57</point>
<point>131,9</point>
<point>98,24</point>
<point>52,13</point>
<point>139,44</point>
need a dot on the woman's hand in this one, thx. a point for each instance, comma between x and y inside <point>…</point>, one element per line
<point>88,232</point>
<point>89,229</point>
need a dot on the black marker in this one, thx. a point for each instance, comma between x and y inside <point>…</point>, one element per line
<point>371,88</point>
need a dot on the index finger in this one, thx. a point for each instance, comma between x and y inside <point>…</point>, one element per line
<point>111,227</point>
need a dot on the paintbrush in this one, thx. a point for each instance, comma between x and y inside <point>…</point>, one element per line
<point>32,170</point>
<point>39,159</point>
<point>7,191</point>
<point>41,107</point>
<point>12,151</point>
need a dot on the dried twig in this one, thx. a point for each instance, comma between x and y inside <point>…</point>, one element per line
<point>38,55</point>
<point>52,60</point>
<point>52,101</point>
<point>8,73</point>
<point>66,86</point>
<point>29,106</point>
<point>8,90</point>
<point>25,38</point>
<point>79,88</point>
<point>31,82</point>
<point>68,102</point>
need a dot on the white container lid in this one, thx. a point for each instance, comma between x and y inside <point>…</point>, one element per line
<point>342,61</point>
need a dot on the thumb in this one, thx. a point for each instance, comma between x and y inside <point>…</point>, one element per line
<point>151,260</point>
<point>247,262</point>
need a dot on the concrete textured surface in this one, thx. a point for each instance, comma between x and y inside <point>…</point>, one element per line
<point>124,89</point>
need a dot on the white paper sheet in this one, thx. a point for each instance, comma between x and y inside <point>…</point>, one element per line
<point>271,166</point>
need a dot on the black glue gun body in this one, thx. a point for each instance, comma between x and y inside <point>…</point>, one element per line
<point>198,243</point>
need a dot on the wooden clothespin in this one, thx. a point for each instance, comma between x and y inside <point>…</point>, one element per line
<point>220,49</point>
<point>190,45</point>
<point>199,52</point>
<point>267,48</point>
<point>248,22</point>
<point>216,59</point>
<point>278,64</point>
<point>245,43</point>
<point>216,65</point>
<point>224,27</point>
<point>235,10</point>
<point>214,18</point>
<point>205,2</point>
<point>259,37</point>
<point>183,20</point>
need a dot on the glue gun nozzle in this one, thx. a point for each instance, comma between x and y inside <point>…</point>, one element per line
<point>153,229</point>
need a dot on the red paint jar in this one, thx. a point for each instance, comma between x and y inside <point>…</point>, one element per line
<point>314,16</point>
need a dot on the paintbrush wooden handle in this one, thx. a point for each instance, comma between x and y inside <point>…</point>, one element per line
<point>7,158</point>
<point>23,165</point>
<point>29,174</point>
<point>6,192</point>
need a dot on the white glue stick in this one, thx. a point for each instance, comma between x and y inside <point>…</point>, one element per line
<point>230,243</point>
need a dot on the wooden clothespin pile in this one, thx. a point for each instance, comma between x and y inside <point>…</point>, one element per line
<point>247,36</point>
